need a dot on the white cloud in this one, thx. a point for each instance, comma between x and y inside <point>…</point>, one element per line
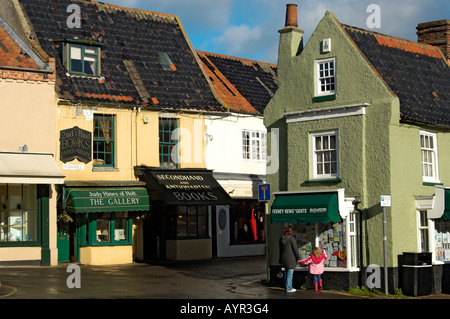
<point>237,39</point>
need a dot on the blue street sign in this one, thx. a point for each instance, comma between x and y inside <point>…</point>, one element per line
<point>263,192</point>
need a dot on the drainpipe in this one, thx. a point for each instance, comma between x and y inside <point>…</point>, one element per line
<point>355,203</point>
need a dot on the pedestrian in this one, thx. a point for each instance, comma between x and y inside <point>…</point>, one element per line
<point>288,257</point>
<point>315,262</point>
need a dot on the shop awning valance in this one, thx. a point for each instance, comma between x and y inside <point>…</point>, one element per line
<point>185,187</point>
<point>29,168</point>
<point>305,208</point>
<point>441,205</point>
<point>107,199</point>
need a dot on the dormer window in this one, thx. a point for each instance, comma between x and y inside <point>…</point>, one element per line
<point>83,59</point>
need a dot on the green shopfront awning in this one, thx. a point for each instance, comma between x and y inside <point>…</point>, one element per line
<point>305,208</point>
<point>94,200</point>
<point>446,214</point>
<point>441,203</point>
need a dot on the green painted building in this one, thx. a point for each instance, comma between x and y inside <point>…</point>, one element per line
<point>358,115</point>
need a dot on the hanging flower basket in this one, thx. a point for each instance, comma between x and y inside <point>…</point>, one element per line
<point>65,218</point>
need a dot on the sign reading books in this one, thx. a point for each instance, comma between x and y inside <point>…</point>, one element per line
<point>187,187</point>
<point>75,143</point>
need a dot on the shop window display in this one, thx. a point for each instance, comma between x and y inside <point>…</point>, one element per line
<point>189,222</point>
<point>18,213</point>
<point>105,229</point>
<point>247,222</point>
<point>330,237</point>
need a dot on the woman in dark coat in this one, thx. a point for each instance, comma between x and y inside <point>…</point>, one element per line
<point>288,257</point>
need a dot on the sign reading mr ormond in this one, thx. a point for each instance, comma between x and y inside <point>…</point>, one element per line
<point>75,143</point>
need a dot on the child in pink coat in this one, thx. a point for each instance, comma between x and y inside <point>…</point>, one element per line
<point>315,262</point>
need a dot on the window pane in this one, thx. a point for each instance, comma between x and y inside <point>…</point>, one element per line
<point>325,142</point>
<point>103,230</point>
<point>120,226</point>
<point>75,52</point>
<point>333,142</point>
<point>3,197</point>
<point>90,67</point>
<point>103,139</point>
<point>15,196</point>
<point>29,197</point>
<point>318,143</point>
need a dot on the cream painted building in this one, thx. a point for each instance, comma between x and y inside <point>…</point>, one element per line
<point>28,170</point>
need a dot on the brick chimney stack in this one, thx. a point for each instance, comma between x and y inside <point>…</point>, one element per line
<point>291,39</point>
<point>436,33</point>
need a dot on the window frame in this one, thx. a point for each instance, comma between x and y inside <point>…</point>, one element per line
<point>423,231</point>
<point>177,219</point>
<point>314,162</point>
<point>88,230</point>
<point>348,232</point>
<point>37,212</point>
<point>83,47</point>
<point>434,152</point>
<point>256,139</point>
<point>318,84</point>
<point>112,140</point>
<point>172,143</point>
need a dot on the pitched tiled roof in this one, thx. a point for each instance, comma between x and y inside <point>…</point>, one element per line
<point>11,55</point>
<point>131,69</point>
<point>244,85</point>
<point>417,73</point>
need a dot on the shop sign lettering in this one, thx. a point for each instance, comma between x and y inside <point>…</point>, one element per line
<point>299,210</point>
<point>75,143</point>
<point>187,187</point>
<point>121,198</point>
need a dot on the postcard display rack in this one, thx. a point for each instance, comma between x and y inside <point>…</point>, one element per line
<point>442,240</point>
<point>330,237</point>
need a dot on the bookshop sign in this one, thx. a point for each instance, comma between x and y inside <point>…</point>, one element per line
<point>187,187</point>
<point>75,143</point>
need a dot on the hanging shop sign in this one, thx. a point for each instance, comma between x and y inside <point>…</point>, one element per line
<point>75,143</point>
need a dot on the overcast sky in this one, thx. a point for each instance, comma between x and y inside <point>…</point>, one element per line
<point>249,28</point>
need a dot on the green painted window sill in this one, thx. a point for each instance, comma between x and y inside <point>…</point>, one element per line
<point>431,184</point>
<point>331,180</point>
<point>324,98</point>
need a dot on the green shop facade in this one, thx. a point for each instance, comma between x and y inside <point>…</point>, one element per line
<point>345,135</point>
<point>100,226</point>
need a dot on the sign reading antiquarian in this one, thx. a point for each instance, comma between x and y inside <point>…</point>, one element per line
<point>187,187</point>
<point>75,143</point>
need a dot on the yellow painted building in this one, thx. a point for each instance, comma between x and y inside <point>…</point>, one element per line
<point>133,137</point>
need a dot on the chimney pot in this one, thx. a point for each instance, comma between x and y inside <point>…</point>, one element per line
<point>291,15</point>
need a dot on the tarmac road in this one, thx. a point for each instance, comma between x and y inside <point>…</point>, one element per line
<point>229,278</point>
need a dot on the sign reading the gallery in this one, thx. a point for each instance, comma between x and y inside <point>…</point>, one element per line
<point>75,143</point>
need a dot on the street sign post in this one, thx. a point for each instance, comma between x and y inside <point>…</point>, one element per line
<point>263,192</point>
<point>385,201</point>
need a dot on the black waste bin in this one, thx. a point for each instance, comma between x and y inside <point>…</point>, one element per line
<point>417,274</point>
